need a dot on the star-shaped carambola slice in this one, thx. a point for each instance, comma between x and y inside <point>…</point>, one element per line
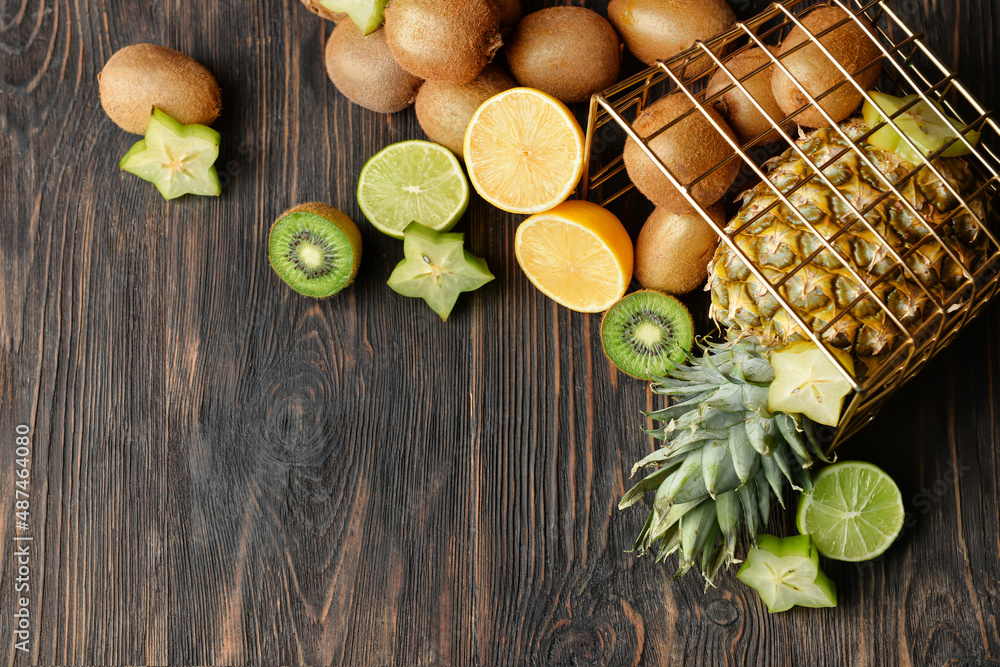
<point>177,159</point>
<point>437,268</point>
<point>785,573</point>
<point>807,382</point>
<point>366,14</point>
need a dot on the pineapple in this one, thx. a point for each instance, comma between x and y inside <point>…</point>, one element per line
<point>724,456</point>
<point>727,451</point>
<point>781,244</point>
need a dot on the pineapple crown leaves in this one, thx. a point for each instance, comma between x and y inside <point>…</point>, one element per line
<point>724,457</point>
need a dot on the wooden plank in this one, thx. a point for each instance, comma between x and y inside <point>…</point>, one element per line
<point>226,473</point>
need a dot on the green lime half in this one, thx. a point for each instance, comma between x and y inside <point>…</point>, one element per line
<point>413,181</point>
<point>854,512</point>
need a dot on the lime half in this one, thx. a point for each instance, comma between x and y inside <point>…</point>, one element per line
<point>413,181</point>
<point>854,512</point>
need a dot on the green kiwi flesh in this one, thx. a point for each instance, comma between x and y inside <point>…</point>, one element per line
<point>660,29</point>
<point>689,149</point>
<point>142,76</point>
<point>315,249</point>
<point>445,109</point>
<point>738,110</point>
<point>443,40</point>
<point>567,52</point>
<point>848,44</point>
<point>362,68</point>
<point>647,333</point>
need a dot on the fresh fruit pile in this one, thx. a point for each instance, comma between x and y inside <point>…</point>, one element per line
<point>745,417</point>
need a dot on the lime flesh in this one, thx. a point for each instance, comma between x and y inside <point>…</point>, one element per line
<point>413,181</point>
<point>854,512</point>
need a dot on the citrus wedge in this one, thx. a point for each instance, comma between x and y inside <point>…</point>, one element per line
<point>853,513</point>
<point>413,181</point>
<point>577,254</point>
<point>524,151</point>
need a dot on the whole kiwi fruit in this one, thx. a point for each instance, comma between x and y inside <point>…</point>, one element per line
<point>673,250</point>
<point>142,76</point>
<point>567,52</point>
<point>508,11</point>
<point>741,114</point>
<point>365,72</point>
<point>320,10</point>
<point>848,44</point>
<point>445,109</point>
<point>660,29</point>
<point>689,149</point>
<point>443,40</point>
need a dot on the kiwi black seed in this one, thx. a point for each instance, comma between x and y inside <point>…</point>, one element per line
<point>365,72</point>
<point>849,46</point>
<point>443,40</point>
<point>139,77</point>
<point>647,333</point>
<point>567,52</point>
<point>316,249</point>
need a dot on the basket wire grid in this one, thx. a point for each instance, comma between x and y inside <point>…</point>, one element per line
<point>910,68</point>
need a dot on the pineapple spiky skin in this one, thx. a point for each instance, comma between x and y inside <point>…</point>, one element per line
<point>724,456</point>
<point>778,242</point>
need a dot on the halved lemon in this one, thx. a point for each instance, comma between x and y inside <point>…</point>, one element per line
<point>524,151</point>
<point>577,254</point>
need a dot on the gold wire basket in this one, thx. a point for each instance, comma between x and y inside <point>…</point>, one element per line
<point>908,67</point>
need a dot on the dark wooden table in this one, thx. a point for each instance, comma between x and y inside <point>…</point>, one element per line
<point>223,472</point>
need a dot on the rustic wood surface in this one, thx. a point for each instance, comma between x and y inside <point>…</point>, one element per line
<point>225,473</point>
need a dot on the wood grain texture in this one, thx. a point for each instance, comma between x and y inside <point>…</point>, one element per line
<point>226,473</point>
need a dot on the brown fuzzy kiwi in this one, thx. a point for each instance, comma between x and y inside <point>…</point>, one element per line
<point>673,250</point>
<point>508,11</point>
<point>660,29</point>
<point>445,109</point>
<point>567,52</point>
<point>735,107</point>
<point>848,44</point>
<point>365,72</point>
<point>142,76</point>
<point>688,149</point>
<point>443,40</point>
<point>320,10</point>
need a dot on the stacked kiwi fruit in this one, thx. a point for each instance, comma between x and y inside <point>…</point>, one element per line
<point>676,242</point>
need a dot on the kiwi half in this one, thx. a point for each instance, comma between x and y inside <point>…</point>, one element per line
<point>567,52</point>
<point>647,333</point>
<point>443,40</point>
<point>142,76</point>
<point>316,249</point>
<point>849,46</point>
